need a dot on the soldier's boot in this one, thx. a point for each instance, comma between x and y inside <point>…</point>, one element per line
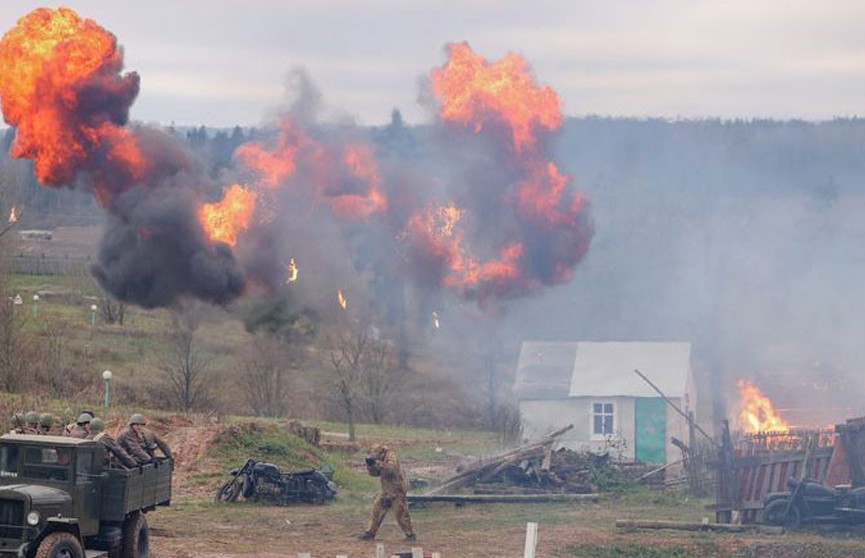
<point>367,536</point>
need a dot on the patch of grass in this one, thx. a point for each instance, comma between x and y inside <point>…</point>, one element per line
<point>627,550</point>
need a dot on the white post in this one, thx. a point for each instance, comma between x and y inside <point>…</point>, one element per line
<point>379,551</point>
<point>531,540</point>
<point>416,552</point>
<point>304,555</point>
<point>436,555</point>
<point>342,556</point>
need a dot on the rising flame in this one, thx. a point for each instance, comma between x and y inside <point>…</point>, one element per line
<point>222,221</point>
<point>13,214</point>
<point>340,298</point>
<point>292,271</point>
<point>757,412</point>
<point>477,93</point>
<point>62,90</point>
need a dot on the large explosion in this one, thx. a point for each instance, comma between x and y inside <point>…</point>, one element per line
<point>493,219</point>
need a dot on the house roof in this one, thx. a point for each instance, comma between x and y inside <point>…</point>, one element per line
<point>544,370</point>
<point>607,369</point>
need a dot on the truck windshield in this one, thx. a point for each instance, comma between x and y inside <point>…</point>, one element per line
<point>47,463</point>
<point>8,461</point>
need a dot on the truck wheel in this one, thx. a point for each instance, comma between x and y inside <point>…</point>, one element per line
<point>60,545</point>
<point>136,537</point>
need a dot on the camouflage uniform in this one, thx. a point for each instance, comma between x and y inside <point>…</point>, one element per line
<point>17,424</point>
<point>131,443</point>
<point>392,494</point>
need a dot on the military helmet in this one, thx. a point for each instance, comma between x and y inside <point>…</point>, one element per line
<point>18,420</point>
<point>46,420</point>
<point>137,418</point>
<point>84,418</point>
<point>32,417</point>
<point>97,425</point>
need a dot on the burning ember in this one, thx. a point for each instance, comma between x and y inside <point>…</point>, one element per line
<point>13,215</point>
<point>757,412</point>
<point>292,271</point>
<point>340,298</point>
<point>223,220</point>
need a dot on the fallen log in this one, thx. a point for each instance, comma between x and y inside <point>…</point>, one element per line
<point>634,524</point>
<point>500,498</point>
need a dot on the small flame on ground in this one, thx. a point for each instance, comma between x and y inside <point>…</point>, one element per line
<point>13,214</point>
<point>340,297</point>
<point>292,271</point>
<point>757,413</point>
<point>224,220</point>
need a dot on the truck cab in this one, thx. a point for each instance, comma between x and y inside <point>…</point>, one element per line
<point>59,500</point>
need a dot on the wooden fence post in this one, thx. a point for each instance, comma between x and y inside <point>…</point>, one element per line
<point>379,551</point>
<point>304,555</point>
<point>531,540</point>
<point>416,552</point>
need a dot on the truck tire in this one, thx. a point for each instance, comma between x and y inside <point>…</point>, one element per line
<point>60,545</point>
<point>136,537</point>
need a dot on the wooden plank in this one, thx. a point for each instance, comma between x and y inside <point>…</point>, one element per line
<point>531,540</point>
<point>694,526</point>
<point>500,498</point>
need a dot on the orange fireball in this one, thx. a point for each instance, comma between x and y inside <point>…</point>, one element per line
<point>475,92</point>
<point>51,64</point>
<point>757,413</point>
<point>222,221</point>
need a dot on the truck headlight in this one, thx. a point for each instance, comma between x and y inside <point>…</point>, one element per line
<point>33,518</point>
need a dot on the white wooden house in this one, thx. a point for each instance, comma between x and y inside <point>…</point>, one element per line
<point>592,385</point>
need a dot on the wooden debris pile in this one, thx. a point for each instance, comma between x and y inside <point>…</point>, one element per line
<point>537,469</point>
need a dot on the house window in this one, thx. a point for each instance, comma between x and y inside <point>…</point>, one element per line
<point>602,419</point>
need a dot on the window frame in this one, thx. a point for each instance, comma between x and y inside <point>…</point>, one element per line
<point>604,413</point>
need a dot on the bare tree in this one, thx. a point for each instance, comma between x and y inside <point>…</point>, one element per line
<point>57,375</point>
<point>263,377</point>
<point>380,378</point>
<point>183,364</point>
<point>112,311</point>
<point>363,377</point>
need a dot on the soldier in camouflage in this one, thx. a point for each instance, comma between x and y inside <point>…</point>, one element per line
<point>18,424</point>
<point>382,463</point>
<point>46,421</point>
<point>152,442</point>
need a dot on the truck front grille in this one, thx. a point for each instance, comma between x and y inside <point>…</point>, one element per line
<point>11,519</point>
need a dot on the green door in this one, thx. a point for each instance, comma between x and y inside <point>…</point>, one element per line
<point>650,430</point>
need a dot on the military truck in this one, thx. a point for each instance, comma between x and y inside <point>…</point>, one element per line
<point>59,500</point>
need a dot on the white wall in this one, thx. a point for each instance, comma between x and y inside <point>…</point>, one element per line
<point>543,416</point>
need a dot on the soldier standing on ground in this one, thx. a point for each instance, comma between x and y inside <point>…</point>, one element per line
<point>130,440</point>
<point>82,427</point>
<point>115,455</point>
<point>382,462</point>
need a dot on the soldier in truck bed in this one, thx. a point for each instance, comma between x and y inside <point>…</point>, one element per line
<point>152,442</point>
<point>130,440</point>
<point>115,456</point>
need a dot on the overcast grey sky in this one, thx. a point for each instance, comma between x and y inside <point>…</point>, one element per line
<point>224,62</point>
